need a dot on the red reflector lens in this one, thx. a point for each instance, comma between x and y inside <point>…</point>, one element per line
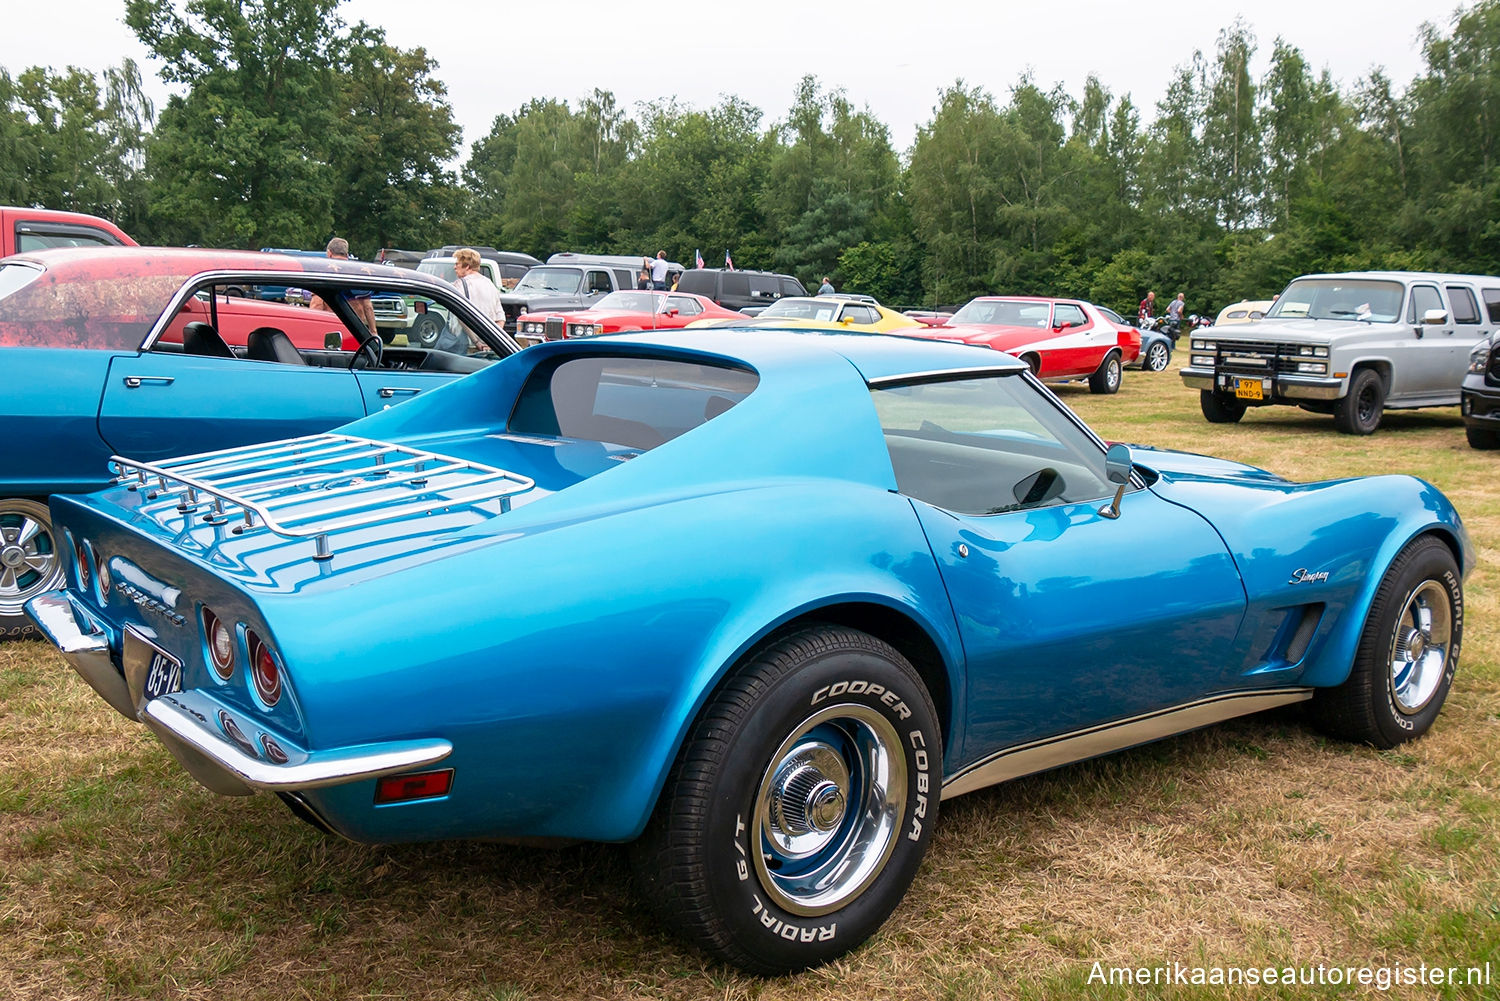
<point>264,670</point>
<point>421,785</point>
<point>220,644</point>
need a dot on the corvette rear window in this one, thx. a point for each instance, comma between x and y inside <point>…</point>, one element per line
<point>628,401</point>
<point>83,306</point>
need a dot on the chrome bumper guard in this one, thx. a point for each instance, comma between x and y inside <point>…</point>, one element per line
<point>84,642</point>
<point>196,728</point>
<point>1286,386</point>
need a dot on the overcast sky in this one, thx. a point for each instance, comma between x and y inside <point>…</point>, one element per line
<point>895,60</point>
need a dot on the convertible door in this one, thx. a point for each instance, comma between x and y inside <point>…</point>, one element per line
<point>1069,618</point>
<point>160,404</point>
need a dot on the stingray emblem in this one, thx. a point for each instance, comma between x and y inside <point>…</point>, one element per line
<point>1304,576</point>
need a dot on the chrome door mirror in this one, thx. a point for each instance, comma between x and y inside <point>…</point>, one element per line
<point>1117,466</point>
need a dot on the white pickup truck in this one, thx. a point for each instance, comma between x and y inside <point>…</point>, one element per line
<point>1351,345</point>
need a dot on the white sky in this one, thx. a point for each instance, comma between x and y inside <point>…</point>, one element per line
<point>893,59</point>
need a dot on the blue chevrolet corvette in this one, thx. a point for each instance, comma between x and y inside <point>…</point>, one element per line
<point>753,602</point>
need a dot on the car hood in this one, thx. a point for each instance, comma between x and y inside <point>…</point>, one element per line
<point>1182,466</point>
<point>1002,338</point>
<point>1288,331</point>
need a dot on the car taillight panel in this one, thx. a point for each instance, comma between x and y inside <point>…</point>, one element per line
<point>81,563</point>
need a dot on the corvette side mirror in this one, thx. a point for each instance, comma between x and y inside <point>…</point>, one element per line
<point>1117,465</point>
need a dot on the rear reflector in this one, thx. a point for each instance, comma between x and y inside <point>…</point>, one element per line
<point>421,785</point>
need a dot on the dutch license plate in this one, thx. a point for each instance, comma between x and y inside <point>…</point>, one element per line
<point>164,676</point>
<point>1248,389</point>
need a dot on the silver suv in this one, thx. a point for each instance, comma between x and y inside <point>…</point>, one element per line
<point>1349,345</point>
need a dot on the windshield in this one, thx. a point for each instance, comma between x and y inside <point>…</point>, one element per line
<point>803,309</point>
<point>558,281</point>
<point>1005,313</point>
<point>630,302</point>
<point>1339,299</point>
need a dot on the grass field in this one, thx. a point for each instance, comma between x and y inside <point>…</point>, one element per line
<point>1254,843</point>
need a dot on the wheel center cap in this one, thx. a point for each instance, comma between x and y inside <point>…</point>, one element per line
<point>1416,645</point>
<point>12,557</point>
<point>825,807</point>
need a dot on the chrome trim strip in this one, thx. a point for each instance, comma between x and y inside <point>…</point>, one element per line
<point>942,373</point>
<point>1066,748</point>
<point>177,722</point>
<point>84,643</point>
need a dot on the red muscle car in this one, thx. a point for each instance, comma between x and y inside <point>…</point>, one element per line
<point>619,311</point>
<point>1059,338</point>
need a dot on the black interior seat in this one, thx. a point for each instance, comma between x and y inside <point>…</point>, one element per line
<point>271,344</point>
<point>199,338</point>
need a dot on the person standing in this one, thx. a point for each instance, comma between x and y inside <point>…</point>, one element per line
<point>482,293</point>
<point>659,271</point>
<point>1175,307</point>
<point>643,280</point>
<point>827,287</point>
<point>338,250</point>
<point>1148,306</point>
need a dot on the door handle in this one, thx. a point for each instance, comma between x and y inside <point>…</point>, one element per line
<point>386,392</point>
<point>137,381</point>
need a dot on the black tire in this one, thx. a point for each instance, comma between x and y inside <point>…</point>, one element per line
<point>1158,357</point>
<point>31,562</point>
<point>1402,668</point>
<point>1034,363</point>
<point>1360,409</point>
<point>428,328</point>
<point>1219,408</point>
<point>755,852</point>
<point>1482,438</point>
<point>1107,377</point>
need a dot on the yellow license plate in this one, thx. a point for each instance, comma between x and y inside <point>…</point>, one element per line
<point>1248,389</point>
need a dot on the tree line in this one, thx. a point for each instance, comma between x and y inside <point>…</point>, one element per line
<point>289,125</point>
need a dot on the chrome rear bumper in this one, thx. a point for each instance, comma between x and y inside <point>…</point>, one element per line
<point>201,732</point>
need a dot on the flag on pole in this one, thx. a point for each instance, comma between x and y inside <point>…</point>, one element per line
<point>728,261</point>
<point>698,254</point>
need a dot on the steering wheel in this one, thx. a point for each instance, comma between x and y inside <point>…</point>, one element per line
<point>370,347</point>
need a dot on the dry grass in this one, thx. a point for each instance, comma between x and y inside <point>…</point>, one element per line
<point>1256,842</point>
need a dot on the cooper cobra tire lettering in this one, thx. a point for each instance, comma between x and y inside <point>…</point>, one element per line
<point>814,760</point>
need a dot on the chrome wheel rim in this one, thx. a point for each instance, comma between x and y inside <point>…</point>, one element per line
<point>829,809</point>
<point>1112,373</point>
<point>29,560</point>
<point>1419,649</point>
<point>1156,357</point>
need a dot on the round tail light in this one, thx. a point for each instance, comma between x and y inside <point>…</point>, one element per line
<point>220,643</point>
<point>264,670</point>
<point>85,575</point>
<point>101,568</point>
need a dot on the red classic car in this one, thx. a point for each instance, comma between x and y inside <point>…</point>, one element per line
<point>618,311</point>
<point>1059,338</point>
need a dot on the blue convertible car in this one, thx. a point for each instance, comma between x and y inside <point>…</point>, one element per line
<point>155,352</point>
<point>755,602</point>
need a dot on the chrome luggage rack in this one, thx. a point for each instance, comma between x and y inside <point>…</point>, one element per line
<point>313,486</point>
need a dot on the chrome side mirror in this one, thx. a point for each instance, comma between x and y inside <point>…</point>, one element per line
<point>1117,466</point>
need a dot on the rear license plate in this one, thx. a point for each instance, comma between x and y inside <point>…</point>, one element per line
<point>1248,389</point>
<point>164,676</point>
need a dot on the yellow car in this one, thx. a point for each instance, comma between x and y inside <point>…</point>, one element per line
<point>824,311</point>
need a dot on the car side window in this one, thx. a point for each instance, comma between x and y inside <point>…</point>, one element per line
<point>734,284</point>
<point>1065,315</point>
<point>790,286</point>
<point>598,281</point>
<point>684,305</point>
<point>1464,308</point>
<point>1423,298</point>
<point>1492,303</point>
<point>82,236</point>
<point>987,446</point>
<point>859,314</point>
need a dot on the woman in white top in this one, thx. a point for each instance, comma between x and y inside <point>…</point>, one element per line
<point>480,291</point>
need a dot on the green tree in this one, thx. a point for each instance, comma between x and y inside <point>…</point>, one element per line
<point>242,158</point>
